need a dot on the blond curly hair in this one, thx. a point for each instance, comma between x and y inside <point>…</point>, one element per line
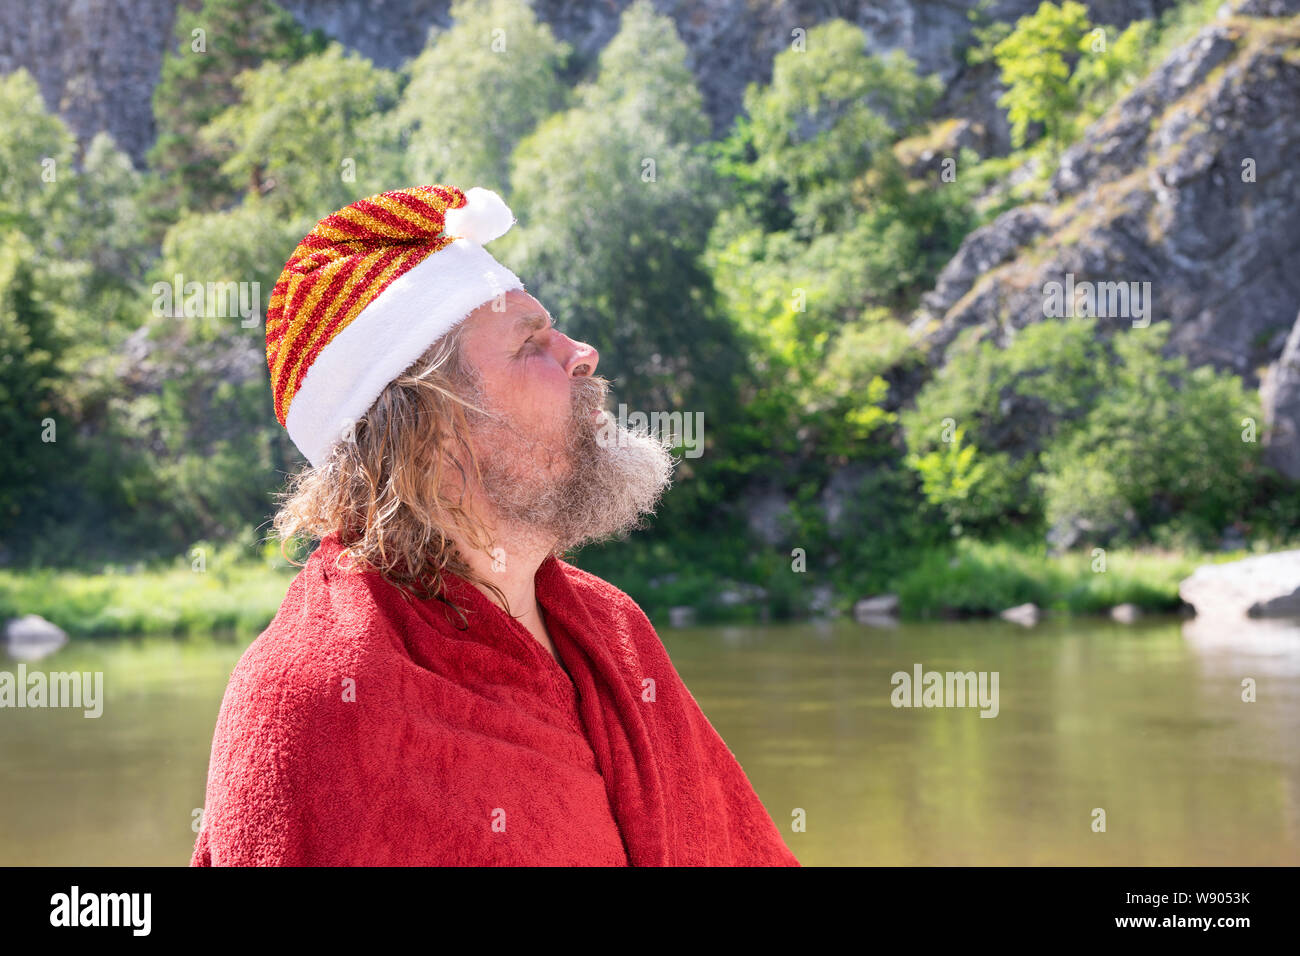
<point>382,488</point>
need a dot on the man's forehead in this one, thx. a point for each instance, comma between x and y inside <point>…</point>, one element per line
<point>521,317</point>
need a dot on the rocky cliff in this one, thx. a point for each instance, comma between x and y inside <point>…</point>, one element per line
<point>1188,183</point>
<point>97,61</point>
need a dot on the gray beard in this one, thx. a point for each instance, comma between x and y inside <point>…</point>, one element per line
<point>613,479</point>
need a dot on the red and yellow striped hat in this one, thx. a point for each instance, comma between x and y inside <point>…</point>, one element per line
<point>366,292</point>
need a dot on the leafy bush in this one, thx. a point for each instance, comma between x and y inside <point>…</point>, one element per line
<point>1035,60</point>
<point>977,428</point>
<point>1162,445</point>
<point>1104,436</point>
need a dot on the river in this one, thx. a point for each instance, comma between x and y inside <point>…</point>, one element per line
<point>1145,722</point>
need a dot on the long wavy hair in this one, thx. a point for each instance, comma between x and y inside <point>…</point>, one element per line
<point>383,490</point>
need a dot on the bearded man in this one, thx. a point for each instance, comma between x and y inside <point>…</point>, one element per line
<point>439,687</point>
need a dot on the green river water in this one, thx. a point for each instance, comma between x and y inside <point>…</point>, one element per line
<point>1145,722</point>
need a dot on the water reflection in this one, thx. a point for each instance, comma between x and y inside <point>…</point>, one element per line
<point>1145,721</point>
<point>1267,646</point>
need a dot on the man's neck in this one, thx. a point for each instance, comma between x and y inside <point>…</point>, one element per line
<point>511,565</point>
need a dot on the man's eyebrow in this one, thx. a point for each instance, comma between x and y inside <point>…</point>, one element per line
<point>531,322</point>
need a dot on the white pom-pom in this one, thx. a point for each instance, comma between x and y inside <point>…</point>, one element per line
<point>484,217</point>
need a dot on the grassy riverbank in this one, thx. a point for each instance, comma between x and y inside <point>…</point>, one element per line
<point>964,579</point>
<point>975,578</point>
<point>226,591</point>
<point>234,590</point>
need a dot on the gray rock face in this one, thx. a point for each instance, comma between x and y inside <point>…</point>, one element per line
<point>838,496</point>
<point>1280,396</point>
<point>1159,191</point>
<point>1265,586</point>
<point>97,61</point>
<point>1268,8</point>
<point>982,251</point>
<point>973,94</point>
<point>766,513</point>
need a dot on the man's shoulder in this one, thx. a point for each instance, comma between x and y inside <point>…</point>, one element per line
<point>330,628</point>
<point>596,592</point>
<point>586,582</point>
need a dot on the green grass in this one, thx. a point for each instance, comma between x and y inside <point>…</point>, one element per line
<point>232,594</point>
<point>239,593</point>
<point>973,578</point>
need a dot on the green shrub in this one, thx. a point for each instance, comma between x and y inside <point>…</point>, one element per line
<point>1106,436</point>
<point>1164,446</point>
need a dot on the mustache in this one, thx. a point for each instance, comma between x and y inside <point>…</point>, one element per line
<point>587,394</point>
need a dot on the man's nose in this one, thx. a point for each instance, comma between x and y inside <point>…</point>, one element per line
<point>582,360</point>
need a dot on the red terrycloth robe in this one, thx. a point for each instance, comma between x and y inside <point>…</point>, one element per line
<point>363,729</point>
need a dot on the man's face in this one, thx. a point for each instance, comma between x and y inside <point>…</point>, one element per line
<point>541,462</point>
<point>528,370</point>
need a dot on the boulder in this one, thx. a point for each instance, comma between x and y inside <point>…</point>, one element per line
<point>880,606</point>
<point>1279,393</point>
<point>1267,585</point>
<point>1025,615</point>
<point>31,637</point>
<point>681,616</point>
<point>1126,613</point>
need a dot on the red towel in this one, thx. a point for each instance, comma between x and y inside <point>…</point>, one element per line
<point>363,729</point>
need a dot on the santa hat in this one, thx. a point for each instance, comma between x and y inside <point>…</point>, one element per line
<point>366,293</point>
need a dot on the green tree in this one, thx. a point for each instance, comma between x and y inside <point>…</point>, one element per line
<point>1161,446</point>
<point>1101,75</point>
<point>38,195</point>
<point>30,344</point>
<point>248,244</point>
<point>1035,61</point>
<point>309,137</point>
<point>215,43</point>
<point>1103,435</point>
<point>950,473</point>
<point>476,90</point>
<point>829,110</point>
<point>111,233</point>
<point>1009,404</point>
<point>823,237</point>
<point>615,204</point>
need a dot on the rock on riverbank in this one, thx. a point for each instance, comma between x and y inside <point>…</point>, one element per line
<point>1267,585</point>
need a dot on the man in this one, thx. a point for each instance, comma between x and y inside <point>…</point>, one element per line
<point>438,687</point>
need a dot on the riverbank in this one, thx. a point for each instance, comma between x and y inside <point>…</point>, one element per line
<point>232,591</point>
<point>975,578</point>
<point>226,596</point>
